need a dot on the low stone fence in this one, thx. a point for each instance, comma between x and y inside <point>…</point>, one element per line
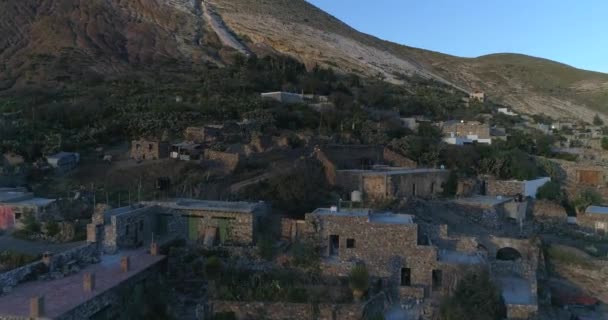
<point>283,310</point>
<point>521,311</point>
<point>60,263</point>
<point>544,210</point>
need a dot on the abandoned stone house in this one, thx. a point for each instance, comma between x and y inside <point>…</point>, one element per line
<point>204,134</point>
<point>463,132</point>
<point>595,218</point>
<point>357,157</point>
<point>147,149</point>
<point>417,262</point>
<point>387,183</point>
<point>207,222</point>
<point>16,203</point>
<point>212,222</point>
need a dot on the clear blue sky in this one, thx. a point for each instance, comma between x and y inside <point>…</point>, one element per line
<point>574,32</point>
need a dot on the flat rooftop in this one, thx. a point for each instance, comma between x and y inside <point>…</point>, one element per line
<point>209,205</point>
<point>380,218</point>
<point>9,196</point>
<point>39,202</point>
<point>63,295</point>
<point>455,257</point>
<point>393,171</point>
<point>483,201</point>
<point>597,210</point>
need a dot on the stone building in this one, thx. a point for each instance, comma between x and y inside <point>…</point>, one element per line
<point>213,222</point>
<point>463,132</point>
<point>385,183</point>
<point>595,218</point>
<point>360,157</point>
<point>145,149</point>
<point>16,203</point>
<point>207,222</point>
<point>204,134</point>
<point>390,246</point>
<point>283,97</point>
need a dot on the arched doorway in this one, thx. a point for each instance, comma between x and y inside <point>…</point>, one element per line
<point>508,254</point>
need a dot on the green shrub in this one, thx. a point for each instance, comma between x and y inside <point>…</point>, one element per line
<point>52,228</point>
<point>475,298</point>
<point>359,278</point>
<point>30,224</point>
<point>550,191</point>
<point>305,255</point>
<point>265,248</point>
<point>213,267</point>
<point>586,198</point>
<point>225,316</point>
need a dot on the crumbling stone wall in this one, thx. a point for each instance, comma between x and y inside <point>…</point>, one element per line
<point>228,161</point>
<point>131,229</point>
<point>504,188</point>
<point>549,211</point>
<point>394,159</point>
<point>79,256</point>
<point>149,150</point>
<point>240,227</point>
<point>590,222</point>
<point>285,310</point>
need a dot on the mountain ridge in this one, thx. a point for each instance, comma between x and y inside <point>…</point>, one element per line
<point>45,42</point>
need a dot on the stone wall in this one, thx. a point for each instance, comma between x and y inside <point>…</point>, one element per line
<point>504,188</point>
<point>394,159</point>
<point>544,210</point>
<point>226,160</point>
<point>590,222</point>
<point>130,230</point>
<point>79,257</point>
<point>149,150</point>
<point>284,310</point>
<point>384,248</point>
<point>383,185</point>
<point>111,302</point>
<point>521,311</point>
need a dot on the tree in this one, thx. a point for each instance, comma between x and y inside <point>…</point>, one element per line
<point>550,191</point>
<point>597,121</point>
<point>605,143</point>
<point>586,198</point>
<point>475,298</point>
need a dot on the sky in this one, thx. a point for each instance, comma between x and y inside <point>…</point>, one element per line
<point>574,32</point>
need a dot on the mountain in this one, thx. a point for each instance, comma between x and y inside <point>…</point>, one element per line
<point>45,42</point>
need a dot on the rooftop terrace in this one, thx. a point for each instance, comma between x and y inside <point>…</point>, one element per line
<point>597,210</point>
<point>208,205</point>
<point>393,171</point>
<point>380,218</point>
<point>63,295</point>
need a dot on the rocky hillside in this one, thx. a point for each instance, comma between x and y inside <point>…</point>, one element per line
<point>50,41</point>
